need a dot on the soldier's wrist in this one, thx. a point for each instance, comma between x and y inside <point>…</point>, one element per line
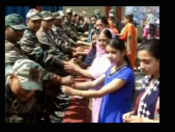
<point>62,62</point>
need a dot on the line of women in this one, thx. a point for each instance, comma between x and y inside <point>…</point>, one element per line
<point>112,79</point>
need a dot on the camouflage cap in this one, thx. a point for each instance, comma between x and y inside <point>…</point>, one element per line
<point>61,13</point>
<point>34,14</point>
<point>69,10</point>
<point>42,12</point>
<point>46,15</point>
<point>74,13</point>
<point>15,21</point>
<point>29,74</point>
<point>56,15</point>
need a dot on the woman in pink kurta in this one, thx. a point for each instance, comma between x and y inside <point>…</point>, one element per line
<point>99,67</point>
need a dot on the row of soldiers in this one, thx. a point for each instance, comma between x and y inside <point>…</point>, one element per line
<point>34,61</point>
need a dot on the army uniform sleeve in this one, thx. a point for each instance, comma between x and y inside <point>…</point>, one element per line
<point>80,26</point>
<point>45,43</point>
<point>69,32</point>
<point>53,78</point>
<point>34,50</point>
<point>31,48</point>
<point>63,45</point>
<point>13,53</point>
<point>42,38</point>
<point>71,41</point>
<point>61,49</point>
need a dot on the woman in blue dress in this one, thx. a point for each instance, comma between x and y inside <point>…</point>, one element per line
<point>118,85</point>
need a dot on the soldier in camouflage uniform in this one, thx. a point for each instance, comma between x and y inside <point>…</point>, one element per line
<point>60,30</point>
<point>21,82</point>
<point>63,16</point>
<point>83,22</point>
<point>73,19</point>
<point>59,38</point>
<point>14,28</point>
<point>13,34</point>
<point>69,14</point>
<point>34,49</point>
<point>76,23</point>
<point>48,43</point>
<point>68,28</point>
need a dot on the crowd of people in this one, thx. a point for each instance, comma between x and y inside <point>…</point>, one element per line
<point>44,58</point>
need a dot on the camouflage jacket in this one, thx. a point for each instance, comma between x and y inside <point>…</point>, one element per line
<point>49,44</point>
<point>59,33</point>
<point>38,52</point>
<point>69,31</point>
<point>63,45</point>
<point>13,52</point>
<point>81,27</point>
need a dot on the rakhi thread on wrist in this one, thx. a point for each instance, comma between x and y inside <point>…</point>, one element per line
<point>74,85</point>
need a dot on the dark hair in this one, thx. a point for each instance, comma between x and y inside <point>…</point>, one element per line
<point>153,26</point>
<point>104,20</point>
<point>96,31</point>
<point>119,45</point>
<point>107,33</point>
<point>129,17</point>
<point>152,46</point>
<point>93,16</point>
<point>131,14</point>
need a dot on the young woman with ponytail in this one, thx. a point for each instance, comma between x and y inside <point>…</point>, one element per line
<point>118,85</point>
